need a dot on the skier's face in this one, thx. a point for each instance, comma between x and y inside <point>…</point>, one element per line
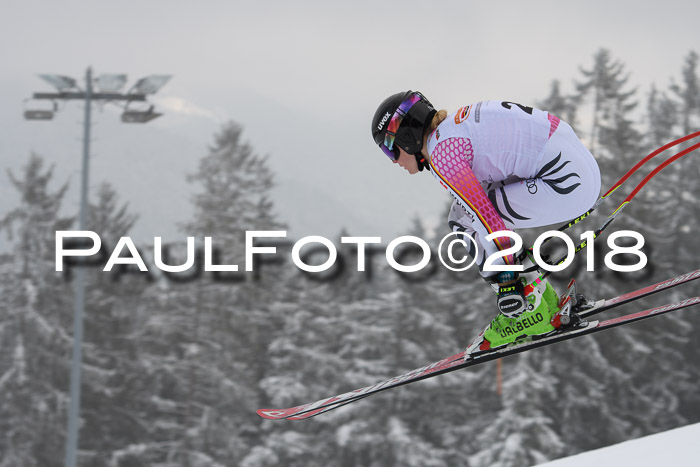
<point>407,161</point>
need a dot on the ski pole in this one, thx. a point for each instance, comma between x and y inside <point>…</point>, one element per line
<point>626,201</point>
<point>645,160</point>
<point>624,179</point>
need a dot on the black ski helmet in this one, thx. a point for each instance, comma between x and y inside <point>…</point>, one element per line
<point>413,113</point>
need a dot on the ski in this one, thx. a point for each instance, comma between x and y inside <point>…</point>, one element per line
<point>458,361</point>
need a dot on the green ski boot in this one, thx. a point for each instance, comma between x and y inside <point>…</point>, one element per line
<point>543,304</point>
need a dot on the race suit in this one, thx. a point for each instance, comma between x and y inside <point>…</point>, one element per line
<point>509,166</point>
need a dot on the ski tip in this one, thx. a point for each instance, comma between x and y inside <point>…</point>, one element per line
<point>289,414</point>
<point>272,414</point>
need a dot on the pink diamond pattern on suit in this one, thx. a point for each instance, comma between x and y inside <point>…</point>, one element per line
<point>553,124</point>
<point>453,158</point>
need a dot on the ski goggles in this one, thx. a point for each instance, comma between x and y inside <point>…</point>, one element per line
<point>388,147</point>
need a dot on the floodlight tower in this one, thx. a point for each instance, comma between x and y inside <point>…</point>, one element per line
<point>108,90</point>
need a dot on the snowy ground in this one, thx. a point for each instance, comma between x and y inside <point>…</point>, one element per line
<point>679,447</point>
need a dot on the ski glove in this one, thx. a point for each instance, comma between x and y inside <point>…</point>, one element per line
<point>511,298</point>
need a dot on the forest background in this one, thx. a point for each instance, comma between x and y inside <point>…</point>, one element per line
<point>174,369</point>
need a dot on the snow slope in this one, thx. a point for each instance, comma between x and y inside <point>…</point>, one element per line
<point>679,448</point>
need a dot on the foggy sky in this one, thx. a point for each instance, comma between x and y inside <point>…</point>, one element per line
<point>304,79</point>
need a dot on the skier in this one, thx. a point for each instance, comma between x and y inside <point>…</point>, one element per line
<point>507,166</point>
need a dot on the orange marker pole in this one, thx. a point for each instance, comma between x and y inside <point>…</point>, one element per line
<point>499,376</point>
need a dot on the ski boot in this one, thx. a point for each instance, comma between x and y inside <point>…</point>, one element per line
<point>536,320</point>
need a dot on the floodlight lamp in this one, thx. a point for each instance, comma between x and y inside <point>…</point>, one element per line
<point>38,114</point>
<point>150,84</point>
<point>62,83</point>
<point>109,82</point>
<point>139,116</point>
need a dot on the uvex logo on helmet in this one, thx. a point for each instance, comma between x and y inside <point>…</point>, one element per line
<point>383,121</point>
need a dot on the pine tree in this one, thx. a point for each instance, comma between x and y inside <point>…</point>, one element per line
<point>206,340</point>
<point>612,136</point>
<point>685,211</point>
<point>522,433</point>
<point>662,117</point>
<point>112,419</point>
<point>688,94</point>
<point>36,314</point>
<point>685,172</point>
<point>559,104</point>
<point>661,219</point>
<point>672,196</point>
<point>235,185</point>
